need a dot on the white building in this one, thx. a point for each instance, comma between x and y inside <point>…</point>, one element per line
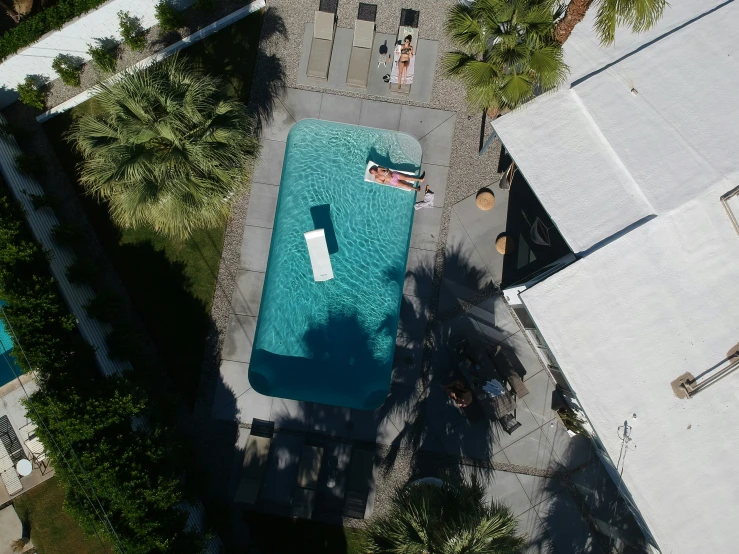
<point>636,162</point>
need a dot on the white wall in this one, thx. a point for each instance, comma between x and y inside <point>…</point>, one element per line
<point>73,39</point>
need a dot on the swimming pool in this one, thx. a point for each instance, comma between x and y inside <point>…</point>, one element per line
<point>8,367</point>
<point>333,342</point>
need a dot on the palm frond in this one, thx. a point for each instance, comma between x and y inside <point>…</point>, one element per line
<point>165,147</point>
<point>638,15</point>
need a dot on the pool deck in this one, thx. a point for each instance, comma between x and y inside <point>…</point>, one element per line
<point>555,484</point>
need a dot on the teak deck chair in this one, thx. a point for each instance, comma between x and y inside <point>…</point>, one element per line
<point>324,29</point>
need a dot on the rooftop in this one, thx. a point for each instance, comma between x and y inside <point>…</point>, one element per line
<point>631,162</point>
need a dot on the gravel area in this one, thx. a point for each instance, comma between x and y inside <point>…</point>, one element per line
<point>195,20</point>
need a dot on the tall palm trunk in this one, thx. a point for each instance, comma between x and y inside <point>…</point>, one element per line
<point>575,13</point>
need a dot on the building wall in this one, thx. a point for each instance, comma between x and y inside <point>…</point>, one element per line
<point>73,39</point>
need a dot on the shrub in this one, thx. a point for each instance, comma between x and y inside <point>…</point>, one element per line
<point>8,130</point>
<point>205,5</point>
<point>32,165</point>
<point>123,343</point>
<point>168,17</point>
<point>102,57</point>
<point>48,19</point>
<point>68,68</point>
<point>82,271</point>
<point>67,234</point>
<point>42,201</point>
<point>134,35</point>
<point>105,307</point>
<point>32,94</point>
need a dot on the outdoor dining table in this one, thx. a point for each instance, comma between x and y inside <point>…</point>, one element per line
<point>479,371</point>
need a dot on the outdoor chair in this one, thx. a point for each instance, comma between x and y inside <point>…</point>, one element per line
<point>255,461</point>
<point>322,45</point>
<point>364,37</point>
<point>361,476</point>
<point>304,495</point>
<point>408,26</point>
<point>504,366</point>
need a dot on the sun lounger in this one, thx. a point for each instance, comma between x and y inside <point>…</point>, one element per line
<point>408,26</point>
<point>324,28</point>
<point>370,178</point>
<point>361,476</point>
<point>11,481</point>
<point>320,261</point>
<point>364,37</point>
<point>255,461</point>
<point>304,496</point>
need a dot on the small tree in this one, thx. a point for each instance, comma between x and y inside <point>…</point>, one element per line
<point>451,518</point>
<point>31,93</point>
<point>32,165</point>
<point>205,5</point>
<point>168,17</point>
<point>134,35</point>
<point>102,56</point>
<point>68,68</point>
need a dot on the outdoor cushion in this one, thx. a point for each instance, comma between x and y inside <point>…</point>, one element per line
<point>320,58</point>
<point>364,33</point>
<point>323,26</point>
<point>359,64</point>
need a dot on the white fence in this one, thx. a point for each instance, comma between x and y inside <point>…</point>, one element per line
<point>73,39</point>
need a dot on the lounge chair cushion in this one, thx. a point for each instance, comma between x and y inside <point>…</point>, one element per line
<point>364,33</point>
<point>320,58</point>
<point>359,64</point>
<point>323,26</point>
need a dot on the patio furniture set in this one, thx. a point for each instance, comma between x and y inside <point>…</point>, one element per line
<point>14,460</point>
<point>324,30</point>
<point>307,491</point>
<point>494,383</point>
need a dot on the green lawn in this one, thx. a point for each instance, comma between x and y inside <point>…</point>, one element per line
<point>171,282</point>
<point>52,530</point>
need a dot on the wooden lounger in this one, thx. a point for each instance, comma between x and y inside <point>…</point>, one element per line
<point>255,461</point>
<point>361,476</point>
<point>304,495</point>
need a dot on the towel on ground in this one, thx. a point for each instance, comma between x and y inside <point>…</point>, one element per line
<point>494,387</point>
<point>394,71</point>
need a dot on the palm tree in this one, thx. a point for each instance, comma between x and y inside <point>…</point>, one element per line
<point>639,15</point>
<point>450,519</point>
<point>507,52</point>
<point>165,147</point>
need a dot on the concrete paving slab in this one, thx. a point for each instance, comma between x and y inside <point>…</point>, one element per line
<point>239,338</point>
<point>279,123</point>
<point>437,145</point>
<point>567,528</point>
<point>11,529</point>
<point>255,248</point>
<point>494,319</point>
<point>282,469</point>
<point>436,178</point>
<point>413,316</point>
<point>538,488</point>
<point>522,355</point>
<point>533,450</point>
<point>344,109</point>
<point>330,420</point>
<point>483,227</point>
<point>268,169</point>
<point>538,540</point>
<point>302,104</point>
<point>381,115</point>
<point>337,457</point>
<point>247,295</point>
<point>291,414</point>
<point>262,205</point>
<point>233,382</point>
<point>539,399</point>
<point>426,224</point>
<point>407,360</point>
<point>419,272</point>
<point>452,331</point>
<point>507,489</point>
<point>372,425</point>
<point>571,452</point>
<point>528,424</point>
<point>419,122</point>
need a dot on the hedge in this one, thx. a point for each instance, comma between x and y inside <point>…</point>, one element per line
<point>30,30</point>
<point>135,473</point>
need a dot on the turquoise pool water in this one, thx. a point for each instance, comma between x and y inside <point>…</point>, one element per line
<point>7,362</point>
<point>332,342</point>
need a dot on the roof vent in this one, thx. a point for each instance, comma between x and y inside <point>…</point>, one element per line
<point>687,386</point>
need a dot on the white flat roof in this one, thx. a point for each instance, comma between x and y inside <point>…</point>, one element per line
<point>633,182</point>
